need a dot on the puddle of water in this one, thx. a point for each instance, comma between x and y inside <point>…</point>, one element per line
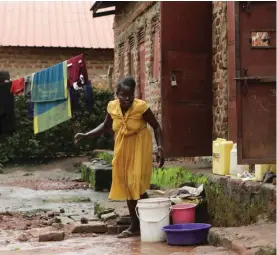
<point>103,244</point>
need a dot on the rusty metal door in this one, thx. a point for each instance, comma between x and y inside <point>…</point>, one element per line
<point>186,51</point>
<point>256,81</point>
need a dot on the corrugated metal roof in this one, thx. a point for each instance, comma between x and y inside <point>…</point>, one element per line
<point>54,24</point>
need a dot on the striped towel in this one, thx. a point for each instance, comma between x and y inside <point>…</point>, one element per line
<point>50,84</point>
<point>51,97</point>
<point>50,114</point>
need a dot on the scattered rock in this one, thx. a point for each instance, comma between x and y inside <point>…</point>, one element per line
<point>93,227</point>
<point>83,211</point>
<point>64,220</point>
<point>106,211</point>
<point>84,220</point>
<point>53,214</point>
<point>92,218</point>
<point>108,216</point>
<point>94,235</point>
<point>44,223</point>
<point>62,210</point>
<point>51,236</point>
<point>21,226</point>
<point>22,238</point>
<point>58,225</point>
<point>112,230</point>
<point>58,220</point>
<point>51,221</point>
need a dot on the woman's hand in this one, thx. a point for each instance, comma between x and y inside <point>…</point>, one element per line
<point>78,137</point>
<point>160,157</point>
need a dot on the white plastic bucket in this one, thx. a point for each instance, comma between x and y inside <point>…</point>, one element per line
<point>153,214</point>
<point>236,169</point>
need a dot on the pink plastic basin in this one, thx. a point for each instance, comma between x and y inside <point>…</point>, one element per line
<point>183,213</point>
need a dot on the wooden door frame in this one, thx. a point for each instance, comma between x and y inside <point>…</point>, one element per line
<point>240,158</point>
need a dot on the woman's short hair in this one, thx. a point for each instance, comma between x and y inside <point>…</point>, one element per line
<point>128,81</point>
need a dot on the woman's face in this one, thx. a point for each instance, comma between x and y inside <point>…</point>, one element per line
<point>126,96</point>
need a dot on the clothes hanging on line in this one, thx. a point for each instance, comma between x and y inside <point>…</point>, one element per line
<point>50,84</point>
<point>27,83</point>
<point>77,71</point>
<point>7,114</point>
<point>27,91</point>
<point>30,106</point>
<point>88,95</point>
<point>51,98</point>
<point>51,114</point>
<point>17,87</point>
<point>4,76</point>
<point>75,96</point>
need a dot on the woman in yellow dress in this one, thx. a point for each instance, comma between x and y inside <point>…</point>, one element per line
<point>132,162</point>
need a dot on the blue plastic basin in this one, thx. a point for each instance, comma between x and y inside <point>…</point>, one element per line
<point>187,234</point>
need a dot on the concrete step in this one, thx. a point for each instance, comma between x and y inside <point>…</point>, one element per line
<point>259,239</point>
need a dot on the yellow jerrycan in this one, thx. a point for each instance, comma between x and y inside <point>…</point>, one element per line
<point>221,156</point>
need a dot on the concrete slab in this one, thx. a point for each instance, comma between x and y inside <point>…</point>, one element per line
<point>255,239</point>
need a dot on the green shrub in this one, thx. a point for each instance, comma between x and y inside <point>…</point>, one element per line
<point>24,145</point>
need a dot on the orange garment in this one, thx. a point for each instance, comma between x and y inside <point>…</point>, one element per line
<point>17,86</point>
<point>132,163</point>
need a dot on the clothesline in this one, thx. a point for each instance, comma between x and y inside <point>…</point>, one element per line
<point>52,92</point>
<point>80,62</point>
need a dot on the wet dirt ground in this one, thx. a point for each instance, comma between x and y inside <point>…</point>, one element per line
<point>103,244</point>
<point>27,194</point>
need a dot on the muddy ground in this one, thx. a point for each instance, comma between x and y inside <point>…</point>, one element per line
<point>40,198</point>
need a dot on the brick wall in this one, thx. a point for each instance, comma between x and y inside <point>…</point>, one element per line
<point>20,61</point>
<point>131,20</point>
<point>133,17</point>
<point>220,72</point>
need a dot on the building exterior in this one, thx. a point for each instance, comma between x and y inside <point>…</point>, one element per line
<point>36,35</point>
<point>199,65</point>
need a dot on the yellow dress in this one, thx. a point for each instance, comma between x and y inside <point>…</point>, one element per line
<point>132,163</point>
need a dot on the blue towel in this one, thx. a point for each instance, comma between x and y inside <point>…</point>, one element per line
<point>50,84</point>
<point>50,114</point>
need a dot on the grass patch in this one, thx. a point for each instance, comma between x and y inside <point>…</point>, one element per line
<point>105,156</point>
<point>173,177</point>
<point>98,208</point>
<point>67,200</point>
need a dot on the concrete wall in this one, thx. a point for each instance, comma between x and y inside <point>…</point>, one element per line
<point>20,61</point>
<point>140,16</point>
